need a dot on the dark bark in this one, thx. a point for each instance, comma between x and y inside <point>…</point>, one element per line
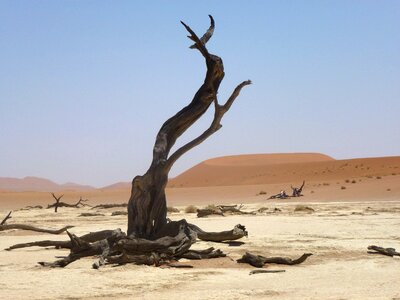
<point>203,254</point>
<point>105,206</point>
<point>236,233</point>
<point>265,271</point>
<point>147,208</point>
<point>384,251</point>
<point>57,204</point>
<point>296,192</point>
<point>259,261</point>
<point>90,238</point>
<point>6,218</point>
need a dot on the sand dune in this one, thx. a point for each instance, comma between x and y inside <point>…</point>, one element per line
<point>263,169</point>
<point>241,178</point>
<point>31,183</point>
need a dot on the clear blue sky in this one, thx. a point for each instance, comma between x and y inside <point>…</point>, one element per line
<point>85,85</point>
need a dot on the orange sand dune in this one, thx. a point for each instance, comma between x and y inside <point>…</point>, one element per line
<point>238,179</point>
<point>282,168</point>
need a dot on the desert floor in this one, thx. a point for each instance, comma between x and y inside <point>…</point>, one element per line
<point>337,233</point>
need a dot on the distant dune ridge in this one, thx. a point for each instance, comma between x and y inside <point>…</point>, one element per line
<point>37,184</point>
<point>281,168</point>
<point>248,169</point>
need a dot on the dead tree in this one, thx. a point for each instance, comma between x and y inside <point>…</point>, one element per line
<point>147,209</point>
<point>151,239</point>
<point>296,192</point>
<point>55,205</point>
<point>81,203</point>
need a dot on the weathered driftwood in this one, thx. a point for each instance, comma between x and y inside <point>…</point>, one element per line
<point>88,214</point>
<point>4,226</point>
<point>265,271</point>
<point>114,247</point>
<point>384,251</point>
<point>33,228</point>
<point>29,207</point>
<point>57,204</point>
<point>236,233</point>
<point>202,254</point>
<point>119,213</point>
<point>201,213</point>
<point>259,261</point>
<point>222,210</point>
<point>6,218</point>
<point>105,206</point>
<point>90,237</point>
<point>118,248</point>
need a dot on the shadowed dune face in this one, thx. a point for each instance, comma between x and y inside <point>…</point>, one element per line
<point>282,168</point>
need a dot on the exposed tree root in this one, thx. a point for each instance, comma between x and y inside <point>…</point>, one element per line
<point>114,247</point>
<point>384,251</point>
<point>259,261</point>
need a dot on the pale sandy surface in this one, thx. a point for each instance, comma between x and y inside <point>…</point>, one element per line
<point>337,233</point>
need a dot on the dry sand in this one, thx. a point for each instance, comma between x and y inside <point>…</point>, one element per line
<point>356,202</point>
<point>337,234</point>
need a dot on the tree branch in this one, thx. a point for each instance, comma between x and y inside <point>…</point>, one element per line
<point>214,127</point>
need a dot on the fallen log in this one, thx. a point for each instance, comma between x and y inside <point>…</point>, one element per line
<point>105,206</point>
<point>384,251</point>
<point>89,237</point>
<point>259,261</point>
<point>33,228</point>
<point>265,271</point>
<point>236,233</point>
<point>87,214</point>
<point>201,213</point>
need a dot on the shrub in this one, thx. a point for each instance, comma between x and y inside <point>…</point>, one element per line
<point>171,209</point>
<point>353,181</point>
<point>191,209</point>
<point>347,181</point>
<point>211,207</point>
<point>343,187</point>
<point>262,193</point>
<point>304,208</point>
<point>378,177</point>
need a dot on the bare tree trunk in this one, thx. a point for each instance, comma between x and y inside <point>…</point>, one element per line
<point>147,209</point>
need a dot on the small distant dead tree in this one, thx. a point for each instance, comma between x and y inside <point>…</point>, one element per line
<point>296,192</point>
<point>81,203</point>
<point>55,205</point>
